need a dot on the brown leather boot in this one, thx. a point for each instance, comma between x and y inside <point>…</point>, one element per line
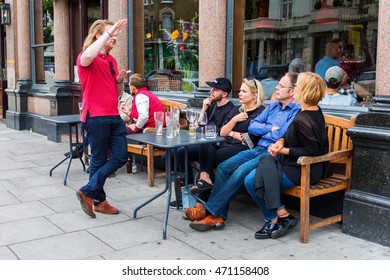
<point>195,213</point>
<point>105,208</point>
<point>86,204</point>
<point>208,223</point>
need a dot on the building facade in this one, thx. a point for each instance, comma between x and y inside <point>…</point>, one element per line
<point>179,45</point>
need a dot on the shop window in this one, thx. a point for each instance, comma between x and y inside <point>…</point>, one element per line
<point>171,46</point>
<point>42,47</point>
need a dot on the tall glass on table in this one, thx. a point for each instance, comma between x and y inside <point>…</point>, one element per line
<point>169,120</point>
<point>159,121</point>
<point>202,122</point>
<point>191,116</point>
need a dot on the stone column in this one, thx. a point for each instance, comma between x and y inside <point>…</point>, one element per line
<point>118,10</point>
<point>212,40</point>
<point>367,206</point>
<point>61,42</point>
<point>60,95</point>
<point>18,65</point>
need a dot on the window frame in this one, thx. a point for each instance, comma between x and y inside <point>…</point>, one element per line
<point>34,47</point>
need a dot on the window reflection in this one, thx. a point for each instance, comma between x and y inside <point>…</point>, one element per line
<point>171,45</point>
<point>296,34</point>
<point>43,42</point>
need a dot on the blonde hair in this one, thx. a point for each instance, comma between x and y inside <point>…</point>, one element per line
<point>257,89</point>
<point>98,27</point>
<point>310,88</point>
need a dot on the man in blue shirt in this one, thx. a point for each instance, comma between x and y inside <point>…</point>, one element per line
<point>332,52</point>
<point>271,125</point>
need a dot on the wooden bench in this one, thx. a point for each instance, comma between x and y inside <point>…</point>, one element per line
<point>340,152</point>
<point>148,150</point>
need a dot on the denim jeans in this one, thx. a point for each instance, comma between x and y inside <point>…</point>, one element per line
<point>107,139</point>
<point>229,179</point>
<point>268,214</point>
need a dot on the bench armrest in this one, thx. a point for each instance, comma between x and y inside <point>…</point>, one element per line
<point>329,156</point>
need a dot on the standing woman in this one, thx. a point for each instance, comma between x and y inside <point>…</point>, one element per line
<point>101,85</point>
<point>235,131</point>
<point>306,136</point>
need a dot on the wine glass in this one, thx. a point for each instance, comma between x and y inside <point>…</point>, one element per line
<point>202,122</point>
<point>190,116</point>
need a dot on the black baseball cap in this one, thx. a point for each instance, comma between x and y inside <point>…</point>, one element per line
<point>222,84</point>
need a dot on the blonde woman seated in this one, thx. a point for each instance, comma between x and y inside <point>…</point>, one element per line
<point>306,136</point>
<point>235,131</point>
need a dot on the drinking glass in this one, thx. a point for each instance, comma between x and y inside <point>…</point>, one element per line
<point>169,119</point>
<point>176,120</point>
<point>159,120</point>
<point>202,122</point>
<point>190,116</point>
<point>211,131</point>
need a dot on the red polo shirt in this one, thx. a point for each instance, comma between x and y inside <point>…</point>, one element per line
<point>99,89</point>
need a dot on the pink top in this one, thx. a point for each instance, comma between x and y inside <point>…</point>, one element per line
<point>99,89</point>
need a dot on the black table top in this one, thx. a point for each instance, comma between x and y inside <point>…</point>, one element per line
<point>179,141</point>
<point>64,119</point>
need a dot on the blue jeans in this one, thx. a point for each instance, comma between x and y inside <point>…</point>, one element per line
<point>229,179</point>
<point>250,187</point>
<point>105,134</point>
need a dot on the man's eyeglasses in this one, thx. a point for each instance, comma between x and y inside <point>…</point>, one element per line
<point>112,68</point>
<point>282,86</point>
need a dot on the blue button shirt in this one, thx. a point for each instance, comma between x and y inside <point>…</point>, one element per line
<point>273,115</point>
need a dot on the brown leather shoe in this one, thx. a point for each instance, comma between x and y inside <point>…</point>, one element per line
<point>207,223</point>
<point>195,213</point>
<point>86,204</point>
<point>105,208</point>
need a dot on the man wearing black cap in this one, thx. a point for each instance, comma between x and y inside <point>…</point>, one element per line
<point>217,107</point>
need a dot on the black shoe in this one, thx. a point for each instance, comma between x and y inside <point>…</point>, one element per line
<point>291,220</point>
<point>266,230</point>
<point>173,204</point>
<point>272,230</point>
<point>282,227</point>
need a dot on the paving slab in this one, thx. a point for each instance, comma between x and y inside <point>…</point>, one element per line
<point>7,254</point>
<point>22,211</point>
<point>171,249</point>
<point>7,198</point>
<point>132,233</point>
<point>78,220</point>
<point>72,246</point>
<point>26,230</point>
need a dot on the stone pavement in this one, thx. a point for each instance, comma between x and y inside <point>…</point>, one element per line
<point>41,219</point>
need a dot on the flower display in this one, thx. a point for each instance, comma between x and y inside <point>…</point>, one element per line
<point>183,42</point>
<point>186,32</point>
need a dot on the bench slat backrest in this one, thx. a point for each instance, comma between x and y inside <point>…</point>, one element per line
<point>337,132</point>
<point>169,103</point>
